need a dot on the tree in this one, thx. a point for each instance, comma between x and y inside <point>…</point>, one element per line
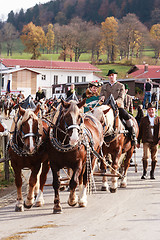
<point>109,33</point>
<point>131,33</point>
<point>32,37</point>
<point>155,39</point>
<point>94,38</point>
<point>50,38</point>
<point>9,35</point>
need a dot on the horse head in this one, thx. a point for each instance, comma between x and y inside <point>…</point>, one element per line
<point>30,129</point>
<point>71,119</point>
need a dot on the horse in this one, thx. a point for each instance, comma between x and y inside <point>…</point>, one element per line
<point>117,143</point>
<point>70,139</point>
<point>27,149</point>
<point>8,106</point>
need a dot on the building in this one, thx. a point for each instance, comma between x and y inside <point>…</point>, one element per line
<point>54,77</point>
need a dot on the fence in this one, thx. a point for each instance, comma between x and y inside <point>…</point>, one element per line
<point>3,159</point>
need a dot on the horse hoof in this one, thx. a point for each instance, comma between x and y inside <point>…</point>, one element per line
<point>82,204</point>
<point>19,209</point>
<point>123,185</point>
<point>103,188</point>
<point>38,204</point>
<point>57,210</point>
<point>28,206</point>
<point>113,190</point>
<point>72,203</point>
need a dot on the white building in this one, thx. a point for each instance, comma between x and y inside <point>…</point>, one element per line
<point>53,77</point>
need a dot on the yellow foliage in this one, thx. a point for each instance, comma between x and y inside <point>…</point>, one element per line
<point>155,32</point>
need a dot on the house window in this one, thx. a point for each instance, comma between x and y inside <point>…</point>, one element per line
<point>76,79</point>
<point>83,79</point>
<point>55,80</point>
<point>69,79</point>
<point>43,77</point>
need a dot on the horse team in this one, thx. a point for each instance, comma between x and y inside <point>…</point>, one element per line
<point>72,139</point>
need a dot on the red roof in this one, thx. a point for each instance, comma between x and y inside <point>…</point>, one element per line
<point>152,72</point>
<point>49,64</point>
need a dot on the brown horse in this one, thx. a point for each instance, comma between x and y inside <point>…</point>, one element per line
<point>27,149</point>
<point>116,143</point>
<point>8,106</point>
<point>70,139</point>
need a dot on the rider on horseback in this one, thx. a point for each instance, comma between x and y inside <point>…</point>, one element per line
<point>115,91</point>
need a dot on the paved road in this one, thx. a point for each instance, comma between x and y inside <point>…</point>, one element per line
<point>131,213</point>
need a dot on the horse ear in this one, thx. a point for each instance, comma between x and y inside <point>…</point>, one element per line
<point>107,110</point>
<point>65,104</point>
<point>21,110</point>
<point>36,111</point>
<point>81,104</point>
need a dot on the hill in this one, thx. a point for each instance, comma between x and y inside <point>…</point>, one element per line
<point>62,11</point>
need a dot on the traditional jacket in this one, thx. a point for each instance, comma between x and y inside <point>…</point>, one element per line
<point>91,99</point>
<point>39,95</point>
<point>117,90</point>
<point>145,132</point>
<point>128,103</point>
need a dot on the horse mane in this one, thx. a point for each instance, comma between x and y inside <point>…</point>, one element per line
<point>28,113</point>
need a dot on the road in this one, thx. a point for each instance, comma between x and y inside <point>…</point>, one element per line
<point>131,213</point>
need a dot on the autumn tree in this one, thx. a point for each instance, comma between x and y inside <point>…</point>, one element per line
<point>9,36</point>
<point>50,38</point>
<point>94,38</point>
<point>32,37</point>
<point>109,33</point>
<point>155,39</point>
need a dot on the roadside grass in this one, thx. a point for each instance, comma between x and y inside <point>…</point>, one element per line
<point>4,183</point>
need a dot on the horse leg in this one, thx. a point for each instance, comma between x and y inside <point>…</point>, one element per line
<point>129,154</point>
<point>18,181</point>
<point>56,185</point>
<point>82,199</point>
<point>115,161</point>
<point>32,182</point>
<point>73,199</point>
<point>105,186</point>
<point>39,199</point>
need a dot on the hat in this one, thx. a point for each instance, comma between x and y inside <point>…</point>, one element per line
<point>126,86</point>
<point>150,105</point>
<point>94,83</point>
<point>111,71</point>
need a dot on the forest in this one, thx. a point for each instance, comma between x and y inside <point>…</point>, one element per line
<point>95,11</point>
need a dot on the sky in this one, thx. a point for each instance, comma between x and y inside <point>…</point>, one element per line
<point>16,5</point>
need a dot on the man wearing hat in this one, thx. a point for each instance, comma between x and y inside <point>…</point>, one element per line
<point>91,95</point>
<point>149,133</point>
<point>128,101</point>
<point>117,90</point>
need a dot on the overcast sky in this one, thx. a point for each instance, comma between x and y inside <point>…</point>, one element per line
<point>16,5</point>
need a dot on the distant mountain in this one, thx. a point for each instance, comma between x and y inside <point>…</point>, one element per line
<point>62,11</point>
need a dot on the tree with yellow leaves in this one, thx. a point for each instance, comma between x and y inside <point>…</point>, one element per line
<point>109,33</point>
<point>32,37</point>
<point>155,39</point>
<point>50,38</point>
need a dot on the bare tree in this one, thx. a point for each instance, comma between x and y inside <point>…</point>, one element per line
<point>9,35</point>
<point>132,34</point>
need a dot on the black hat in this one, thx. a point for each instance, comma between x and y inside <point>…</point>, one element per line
<point>111,71</point>
<point>126,86</point>
<point>150,105</point>
<point>94,83</point>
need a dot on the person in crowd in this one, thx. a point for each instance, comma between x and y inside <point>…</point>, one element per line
<point>128,101</point>
<point>20,97</point>
<point>71,90</point>
<point>149,133</point>
<point>140,114</point>
<point>39,95</point>
<point>117,90</point>
<point>147,90</point>
<point>91,95</point>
